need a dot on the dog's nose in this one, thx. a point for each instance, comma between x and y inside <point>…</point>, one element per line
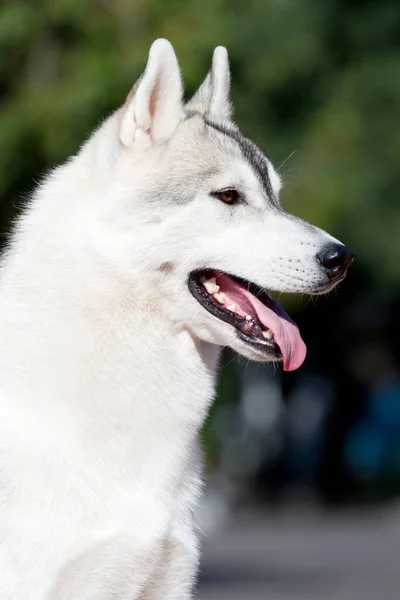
<point>336,258</point>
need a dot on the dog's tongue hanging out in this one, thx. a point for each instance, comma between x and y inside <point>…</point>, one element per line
<point>286,332</point>
<point>273,317</point>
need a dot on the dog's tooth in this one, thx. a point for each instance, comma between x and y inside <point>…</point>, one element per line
<point>211,287</point>
<point>268,334</point>
<point>220,297</point>
<point>232,307</point>
<point>248,318</point>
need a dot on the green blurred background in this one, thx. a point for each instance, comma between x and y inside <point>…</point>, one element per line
<point>316,84</point>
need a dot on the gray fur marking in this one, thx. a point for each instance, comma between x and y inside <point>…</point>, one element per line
<point>253,155</point>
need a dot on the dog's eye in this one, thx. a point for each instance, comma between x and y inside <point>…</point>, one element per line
<point>227,196</point>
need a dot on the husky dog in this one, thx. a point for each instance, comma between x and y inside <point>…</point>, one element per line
<point>133,263</point>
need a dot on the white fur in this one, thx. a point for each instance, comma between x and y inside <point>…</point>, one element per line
<point>108,363</point>
<point>156,105</point>
<point>212,97</point>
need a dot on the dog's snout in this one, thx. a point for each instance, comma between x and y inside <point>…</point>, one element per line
<point>336,258</point>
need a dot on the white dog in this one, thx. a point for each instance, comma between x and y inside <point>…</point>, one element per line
<point>133,262</point>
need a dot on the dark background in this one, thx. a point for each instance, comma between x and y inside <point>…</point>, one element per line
<point>317,85</point>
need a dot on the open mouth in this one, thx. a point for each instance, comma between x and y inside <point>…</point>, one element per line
<point>259,320</point>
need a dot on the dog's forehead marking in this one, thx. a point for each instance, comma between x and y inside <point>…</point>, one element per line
<point>254,156</point>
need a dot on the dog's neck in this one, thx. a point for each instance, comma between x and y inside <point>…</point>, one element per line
<point>82,356</point>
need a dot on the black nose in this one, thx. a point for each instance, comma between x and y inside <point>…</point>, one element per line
<point>336,258</point>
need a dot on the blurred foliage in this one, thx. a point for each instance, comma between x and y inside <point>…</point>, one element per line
<point>317,78</point>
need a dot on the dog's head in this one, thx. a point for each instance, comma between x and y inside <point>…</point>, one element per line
<point>197,215</point>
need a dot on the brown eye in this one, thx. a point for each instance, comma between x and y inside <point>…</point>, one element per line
<point>228,196</point>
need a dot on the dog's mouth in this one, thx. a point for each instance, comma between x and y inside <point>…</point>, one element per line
<point>259,320</point>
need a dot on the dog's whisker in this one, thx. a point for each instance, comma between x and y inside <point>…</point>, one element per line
<point>286,160</point>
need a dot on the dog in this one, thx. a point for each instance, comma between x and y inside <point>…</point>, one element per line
<point>133,263</point>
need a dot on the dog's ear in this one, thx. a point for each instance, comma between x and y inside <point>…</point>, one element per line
<point>154,106</point>
<point>212,97</point>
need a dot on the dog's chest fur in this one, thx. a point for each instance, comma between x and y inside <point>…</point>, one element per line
<point>98,437</point>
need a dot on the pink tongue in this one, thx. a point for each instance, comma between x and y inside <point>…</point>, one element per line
<point>286,332</point>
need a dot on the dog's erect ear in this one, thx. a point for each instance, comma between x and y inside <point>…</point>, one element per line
<point>212,97</point>
<point>154,106</point>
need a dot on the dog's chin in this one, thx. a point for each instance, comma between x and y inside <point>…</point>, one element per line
<point>208,329</point>
<point>253,353</point>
